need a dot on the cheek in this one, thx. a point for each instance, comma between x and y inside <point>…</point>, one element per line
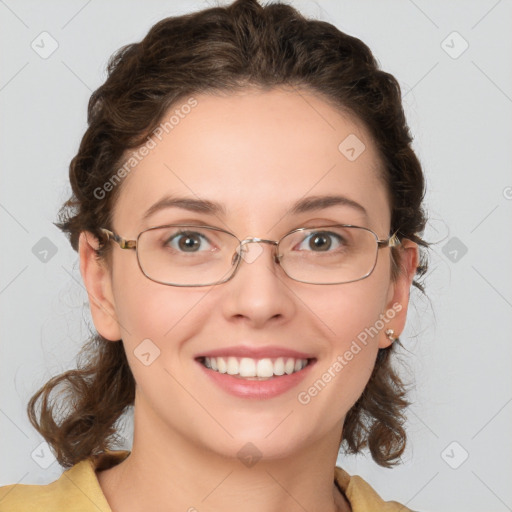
<point>149,310</point>
<point>157,322</point>
<point>353,308</point>
<point>353,315</point>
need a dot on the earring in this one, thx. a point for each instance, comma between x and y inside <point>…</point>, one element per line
<point>390,333</point>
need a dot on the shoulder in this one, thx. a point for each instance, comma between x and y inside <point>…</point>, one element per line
<point>76,490</point>
<point>362,496</point>
<point>57,495</point>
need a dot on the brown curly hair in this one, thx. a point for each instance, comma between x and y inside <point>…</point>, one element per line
<point>226,49</point>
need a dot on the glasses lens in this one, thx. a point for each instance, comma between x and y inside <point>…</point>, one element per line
<point>199,256</point>
<point>329,255</point>
<point>186,255</point>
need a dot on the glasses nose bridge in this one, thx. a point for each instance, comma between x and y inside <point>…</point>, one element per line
<point>253,239</point>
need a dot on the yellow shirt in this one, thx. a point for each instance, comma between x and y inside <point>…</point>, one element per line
<point>78,490</point>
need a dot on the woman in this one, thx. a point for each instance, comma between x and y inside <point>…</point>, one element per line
<point>247,211</point>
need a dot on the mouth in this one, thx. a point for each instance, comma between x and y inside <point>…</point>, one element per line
<point>255,369</point>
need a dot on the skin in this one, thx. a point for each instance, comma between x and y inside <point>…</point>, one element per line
<point>256,153</point>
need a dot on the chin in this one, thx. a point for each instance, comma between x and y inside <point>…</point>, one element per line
<point>263,440</point>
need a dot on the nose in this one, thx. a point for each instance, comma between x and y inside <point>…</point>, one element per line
<point>259,291</point>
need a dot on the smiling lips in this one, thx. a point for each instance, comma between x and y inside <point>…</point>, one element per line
<point>260,362</point>
<point>259,373</point>
<point>248,367</point>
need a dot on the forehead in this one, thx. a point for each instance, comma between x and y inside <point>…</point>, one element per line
<point>256,153</point>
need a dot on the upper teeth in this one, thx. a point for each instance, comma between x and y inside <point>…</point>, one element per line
<point>247,367</point>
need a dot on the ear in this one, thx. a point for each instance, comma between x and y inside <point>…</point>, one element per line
<point>399,290</point>
<point>97,280</point>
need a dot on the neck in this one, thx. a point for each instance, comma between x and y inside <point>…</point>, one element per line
<point>165,471</point>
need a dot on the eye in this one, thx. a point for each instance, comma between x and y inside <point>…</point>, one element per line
<point>322,241</point>
<point>187,241</point>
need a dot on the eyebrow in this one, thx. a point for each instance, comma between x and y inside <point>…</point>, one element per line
<point>304,205</point>
<point>186,203</point>
<point>313,203</point>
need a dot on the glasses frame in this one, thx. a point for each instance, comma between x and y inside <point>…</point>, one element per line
<point>391,241</point>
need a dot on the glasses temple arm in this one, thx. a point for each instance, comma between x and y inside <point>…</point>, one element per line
<point>123,243</point>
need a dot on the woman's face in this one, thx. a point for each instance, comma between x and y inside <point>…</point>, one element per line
<point>256,154</point>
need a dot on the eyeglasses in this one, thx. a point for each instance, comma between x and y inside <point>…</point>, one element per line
<point>193,255</point>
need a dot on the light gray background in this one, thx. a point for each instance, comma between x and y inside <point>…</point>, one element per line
<point>459,108</point>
